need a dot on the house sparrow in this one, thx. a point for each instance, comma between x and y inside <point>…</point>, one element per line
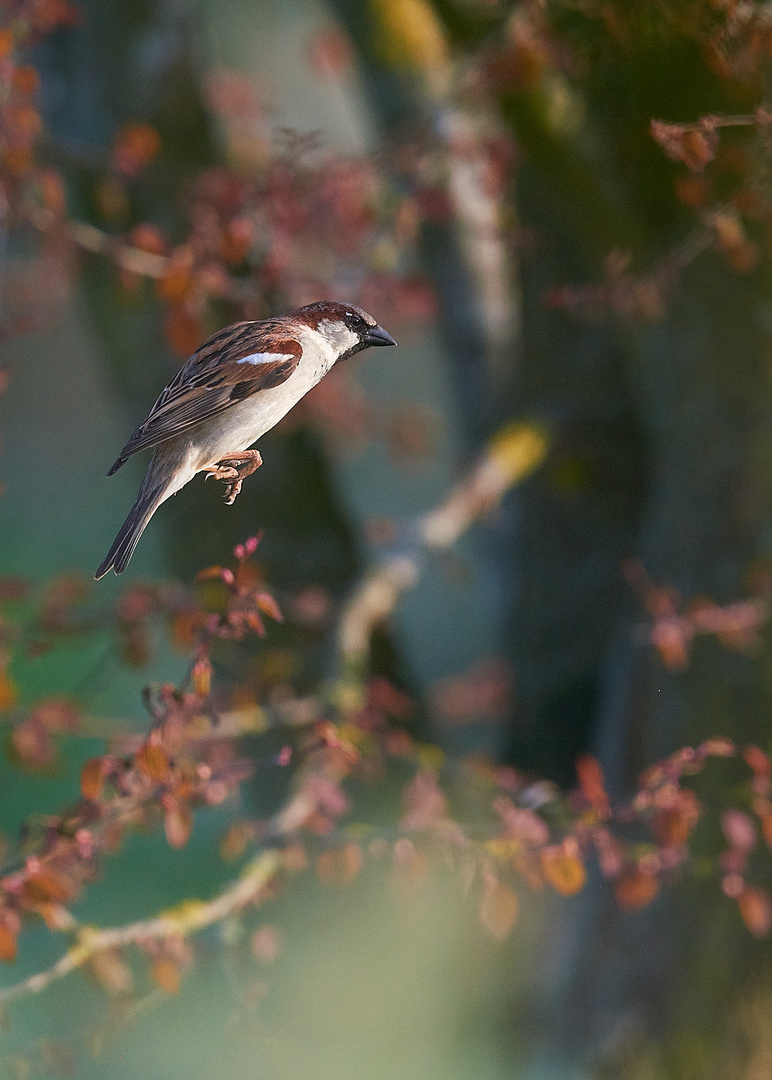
<point>234,388</point>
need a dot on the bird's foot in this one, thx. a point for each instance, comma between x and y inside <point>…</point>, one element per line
<point>234,469</point>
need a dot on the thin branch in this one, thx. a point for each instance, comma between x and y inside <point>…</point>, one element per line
<point>187,918</point>
<point>145,263</point>
<point>511,456</point>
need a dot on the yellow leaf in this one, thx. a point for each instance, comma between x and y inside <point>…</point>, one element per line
<point>410,35</point>
<point>517,449</point>
<point>152,761</point>
<point>563,867</point>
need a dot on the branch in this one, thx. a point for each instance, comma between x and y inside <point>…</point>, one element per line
<point>511,456</point>
<point>187,918</point>
<point>128,257</point>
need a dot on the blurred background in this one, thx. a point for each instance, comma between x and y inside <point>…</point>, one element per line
<point>483,177</point>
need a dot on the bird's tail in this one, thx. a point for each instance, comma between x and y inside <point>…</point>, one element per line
<point>149,499</point>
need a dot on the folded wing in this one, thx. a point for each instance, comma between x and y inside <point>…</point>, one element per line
<point>235,363</point>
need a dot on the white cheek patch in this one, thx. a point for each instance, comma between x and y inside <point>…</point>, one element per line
<point>264,358</point>
<point>338,335</point>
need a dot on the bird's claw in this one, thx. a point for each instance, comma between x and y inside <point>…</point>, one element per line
<point>234,469</point>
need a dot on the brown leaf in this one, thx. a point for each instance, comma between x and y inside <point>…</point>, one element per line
<point>756,910</point>
<point>153,762</point>
<point>563,868</point>
<point>167,974</point>
<point>8,692</point>
<point>45,885</point>
<point>178,823</point>
<point>499,909</point>
<point>92,779</point>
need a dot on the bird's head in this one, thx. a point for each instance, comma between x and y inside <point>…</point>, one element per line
<point>346,328</point>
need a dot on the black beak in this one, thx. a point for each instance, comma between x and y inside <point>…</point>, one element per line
<point>378,336</point>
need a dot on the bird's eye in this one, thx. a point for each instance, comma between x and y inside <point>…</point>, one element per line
<point>355,322</point>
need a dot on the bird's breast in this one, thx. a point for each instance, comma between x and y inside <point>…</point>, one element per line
<point>243,423</point>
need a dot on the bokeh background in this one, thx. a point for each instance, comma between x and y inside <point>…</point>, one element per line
<point>482,177</point>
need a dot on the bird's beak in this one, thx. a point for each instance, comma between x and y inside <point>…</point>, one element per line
<point>378,336</point>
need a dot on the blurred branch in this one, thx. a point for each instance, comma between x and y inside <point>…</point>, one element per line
<point>185,919</point>
<point>511,456</point>
<point>130,258</point>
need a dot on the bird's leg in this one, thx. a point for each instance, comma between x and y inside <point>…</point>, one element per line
<point>233,469</point>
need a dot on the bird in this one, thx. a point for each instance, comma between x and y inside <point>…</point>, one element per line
<point>234,388</point>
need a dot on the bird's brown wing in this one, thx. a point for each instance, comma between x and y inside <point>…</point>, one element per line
<point>232,365</point>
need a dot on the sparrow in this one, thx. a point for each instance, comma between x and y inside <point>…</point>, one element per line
<point>235,387</point>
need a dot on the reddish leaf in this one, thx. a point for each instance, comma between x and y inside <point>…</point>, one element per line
<point>719,747</point>
<point>758,761</point>
<point>590,776</point>
<point>9,930</point>
<point>756,910</point>
<point>178,822</point>
<point>56,714</point>
<point>92,779</point>
<point>183,329</point>
<point>739,830</point>
<point>148,238</point>
<point>135,147</point>
<point>339,866</point>
<point>499,909</point>
<point>636,888</point>
<point>673,825</point>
